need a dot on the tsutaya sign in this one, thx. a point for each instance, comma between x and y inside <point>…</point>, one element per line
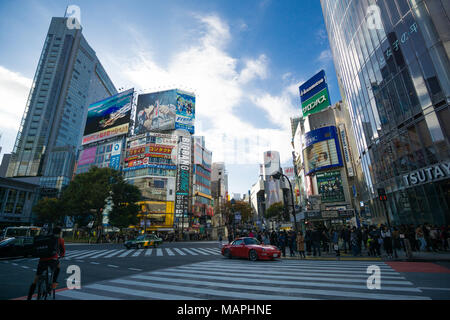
<point>429,174</point>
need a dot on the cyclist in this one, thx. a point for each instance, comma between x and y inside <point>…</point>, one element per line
<point>52,262</point>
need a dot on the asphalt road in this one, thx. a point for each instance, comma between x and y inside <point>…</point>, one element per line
<point>109,271</point>
<point>99,262</point>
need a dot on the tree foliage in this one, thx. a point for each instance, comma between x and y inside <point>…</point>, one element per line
<point>84,198</point>
<point>49,210</point>
<point>276,210</point>
<point>239,206</point>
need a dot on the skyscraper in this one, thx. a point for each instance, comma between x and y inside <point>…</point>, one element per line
<point>68,78</point>
<point>392,63</point>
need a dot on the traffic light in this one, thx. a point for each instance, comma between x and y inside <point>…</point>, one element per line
<point>382,194</point>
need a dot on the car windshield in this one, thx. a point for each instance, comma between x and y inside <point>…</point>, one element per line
<point>237,242</point>
<point>6,242</point>
<point>140,238</point>
<point>251,241</point>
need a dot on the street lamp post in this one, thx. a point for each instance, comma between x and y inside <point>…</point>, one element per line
<point>277,176</point>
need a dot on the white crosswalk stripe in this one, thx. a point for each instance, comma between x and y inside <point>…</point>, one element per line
<point>242,279</point>
<point>213,251</point>
<point>170,252</point>
<point>179,251</point>
<point>201,252</point>
<point>126,253</point>
<point>159,252</point>
<point>190,252</point>
<point>89,254</point>
<point>71,254</point>
<point>114,253</point>
<point>102,254</point>
<point>138,252</point>
<point>149,252</point>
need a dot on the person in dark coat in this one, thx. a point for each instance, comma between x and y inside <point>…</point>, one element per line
<point>282,242</point>
<point>315,241</point>
<point>345,235</point>
<point>292,242</point>
<point>308,241</point>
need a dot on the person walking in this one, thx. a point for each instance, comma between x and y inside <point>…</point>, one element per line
<point>308,241</point>
<point>354,242</point>
<point>282,243</point>
<point>301,244</point>
<point>292,243</point>
<point>421,239</point>
<point>315,239</point>
<point>325,241</point>
<point>396,245</point>
<point>335,242</point>
<point>387,241</point>
<point>346,237</point>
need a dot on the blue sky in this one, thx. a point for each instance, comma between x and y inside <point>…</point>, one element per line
<point>243,59</point>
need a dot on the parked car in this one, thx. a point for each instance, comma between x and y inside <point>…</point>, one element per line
<point>16,247</point>
<point>250,248</point>
<point>143,241</point>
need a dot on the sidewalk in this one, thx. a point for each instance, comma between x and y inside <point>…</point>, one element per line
<point>416,257</point>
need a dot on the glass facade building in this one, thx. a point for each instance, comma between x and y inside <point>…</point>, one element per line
<point>68,78</point>
<point>392,62</point>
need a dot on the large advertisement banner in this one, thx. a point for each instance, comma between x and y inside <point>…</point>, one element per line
<point>164,111</point>
<point>109,117</point>
<point>330,186</point>
<point>271,162</point>
<point>321,150</point>
<point>314,94</point>
<point>87,156</point>
<point>185,111</point>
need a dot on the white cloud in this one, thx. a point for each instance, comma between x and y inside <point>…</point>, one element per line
<point>325,56</point>
<point>14,89</point>
<point>220,88</point>
<point>254,69</point>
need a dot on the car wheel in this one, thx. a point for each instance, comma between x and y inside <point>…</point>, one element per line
<point>139,246</point>
<point>128,247</point>
<point>252,255</point>
<point>227,253</point>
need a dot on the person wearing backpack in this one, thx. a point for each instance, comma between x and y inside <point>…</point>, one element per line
<point>49,249</point>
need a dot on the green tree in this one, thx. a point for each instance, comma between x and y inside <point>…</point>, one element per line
<point>125,209</point>
<point>239,206</point>
<point>49,210</point>
<point>85,196</point>
<point>276,211</point>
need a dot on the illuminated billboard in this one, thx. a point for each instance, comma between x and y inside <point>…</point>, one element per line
<point>109,117</point>
<point>321,150</point>
<point>164,111</point>
<point>330,186</point>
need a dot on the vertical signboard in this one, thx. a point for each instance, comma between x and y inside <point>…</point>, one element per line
<point>314,94</point>
<point>183,174</point>
<point>114,162</point>
<point>346,149</point>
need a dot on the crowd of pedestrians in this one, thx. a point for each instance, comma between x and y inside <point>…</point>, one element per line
<point>366,240</point>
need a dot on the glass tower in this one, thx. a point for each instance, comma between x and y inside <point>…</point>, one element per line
<point>392,62</point>
<point>68,78</point>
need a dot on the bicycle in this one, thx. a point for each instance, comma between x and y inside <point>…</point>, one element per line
<point>45,282</point>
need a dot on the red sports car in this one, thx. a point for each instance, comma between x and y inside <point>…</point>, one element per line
<point>250,248</point>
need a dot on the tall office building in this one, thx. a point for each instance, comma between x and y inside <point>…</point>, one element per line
<point>68,78</point>
<point>392,62</point>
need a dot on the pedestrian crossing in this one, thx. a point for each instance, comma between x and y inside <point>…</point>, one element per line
<point>224,279</point>
<point>132,253</point>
